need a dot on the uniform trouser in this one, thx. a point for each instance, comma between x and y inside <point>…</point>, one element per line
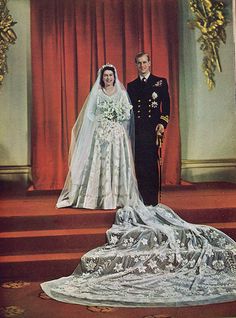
<point>146,164</point>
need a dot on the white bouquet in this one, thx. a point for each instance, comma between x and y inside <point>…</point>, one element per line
<point>115,111</point>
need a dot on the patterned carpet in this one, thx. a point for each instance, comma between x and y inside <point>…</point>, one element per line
<point>26,300</point>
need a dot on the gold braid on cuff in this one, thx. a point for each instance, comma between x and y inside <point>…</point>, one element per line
<point>165,118</point>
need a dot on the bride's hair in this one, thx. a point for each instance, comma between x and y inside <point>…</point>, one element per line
<point>105,68</point>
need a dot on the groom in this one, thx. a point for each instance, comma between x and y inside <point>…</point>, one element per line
<point>151,104</point>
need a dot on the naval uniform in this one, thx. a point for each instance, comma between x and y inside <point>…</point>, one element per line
<point>151,106</point>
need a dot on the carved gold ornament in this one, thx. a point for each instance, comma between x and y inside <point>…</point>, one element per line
<point>101,309</point>
<point>15,284</point>
<point>7,37</point>
<point>165,118</point>
<point>210,20</point>
<point>11,311</point>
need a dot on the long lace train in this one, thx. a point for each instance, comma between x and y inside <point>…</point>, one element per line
<point>152,258</point>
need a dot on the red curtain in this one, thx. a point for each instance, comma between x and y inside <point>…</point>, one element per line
<point>70,40</point>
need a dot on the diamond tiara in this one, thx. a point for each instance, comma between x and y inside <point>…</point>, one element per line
<point>108,64</point>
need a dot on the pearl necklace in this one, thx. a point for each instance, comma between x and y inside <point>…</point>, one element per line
<point>110,92</point>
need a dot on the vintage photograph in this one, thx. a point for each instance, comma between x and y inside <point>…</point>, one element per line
<point>118,158</point>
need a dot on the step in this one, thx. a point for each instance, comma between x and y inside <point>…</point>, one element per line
<point>24,220</point>
<point>62,240</point>
<point>189,200</point>
<point>207,215</point>
<point>38,267</point>
<point>46,241</point>
<point>45,266</point>
<point>23,242</point>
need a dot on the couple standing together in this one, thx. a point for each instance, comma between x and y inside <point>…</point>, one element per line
<point>114,130</point>
<point>152,257</point>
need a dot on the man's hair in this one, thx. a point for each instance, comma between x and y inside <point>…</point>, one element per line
<point>140,54</point>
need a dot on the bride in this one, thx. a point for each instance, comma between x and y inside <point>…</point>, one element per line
<point>101,173</point>
<point>152,257</point>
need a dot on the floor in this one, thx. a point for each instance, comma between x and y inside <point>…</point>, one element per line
<point>205,203</point>
<point>28,301</point>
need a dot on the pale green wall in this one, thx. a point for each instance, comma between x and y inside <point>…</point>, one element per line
<point>15,97</point>
<point>207,118</point>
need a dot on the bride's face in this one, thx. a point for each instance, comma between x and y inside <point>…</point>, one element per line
<point>108,78</point>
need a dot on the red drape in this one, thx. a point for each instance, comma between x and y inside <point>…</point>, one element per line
<point>70,40</point>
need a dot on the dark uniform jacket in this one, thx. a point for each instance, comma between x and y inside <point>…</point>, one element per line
<point>151,106</point>
<point>151,102</point>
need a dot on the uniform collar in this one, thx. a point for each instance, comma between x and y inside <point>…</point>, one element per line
<point>146,76</point>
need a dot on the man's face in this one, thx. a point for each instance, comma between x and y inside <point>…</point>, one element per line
<point>143,65</point>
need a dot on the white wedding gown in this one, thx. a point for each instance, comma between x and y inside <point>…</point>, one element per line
<point>152,257</point>
<point>108,178</point>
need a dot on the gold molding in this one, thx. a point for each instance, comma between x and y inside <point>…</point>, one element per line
<point>15,170</point>
<point>7,37</point>
<point>208,163</point>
